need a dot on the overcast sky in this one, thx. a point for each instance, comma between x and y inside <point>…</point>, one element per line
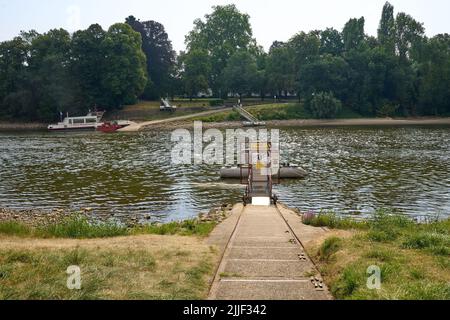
<point>271,19</point>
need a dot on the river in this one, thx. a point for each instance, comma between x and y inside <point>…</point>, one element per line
<point>352,171</point>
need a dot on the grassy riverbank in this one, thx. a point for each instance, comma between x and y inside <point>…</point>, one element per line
<point>78,227</point>
<point>276,111</point>
<point>414,258</point>
<point>151,262</point>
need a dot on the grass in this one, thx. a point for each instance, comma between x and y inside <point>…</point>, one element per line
<point>334,221</point>
<point>78,227</point>
<point>185,228</point>
<point>275,111</point>
<point>414,258</point>
<point>129,271</point>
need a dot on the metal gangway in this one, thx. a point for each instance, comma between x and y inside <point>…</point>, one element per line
<point>166,106</point>
<point>252,120</point>
<point>257,173</point>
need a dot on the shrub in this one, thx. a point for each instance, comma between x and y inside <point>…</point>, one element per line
<point>216,103</point>
<point>387,110</point>
<point>324,105</point>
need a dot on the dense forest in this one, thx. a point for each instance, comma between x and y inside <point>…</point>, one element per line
<point>400,72</point>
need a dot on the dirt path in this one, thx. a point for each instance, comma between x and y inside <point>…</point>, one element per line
<point>264,259</point>
<point>141,125</point>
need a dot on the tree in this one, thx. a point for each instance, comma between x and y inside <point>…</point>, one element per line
<point>325,74</point>
<point>88,65</point>
<point>50,76</point>
<point>409,33</point>
<point>241,74</point>
<point>15,100</point>
<point>386,30</point>
<point>223,33</point>
<point>324,105</point>
<point>196,72</point>
<point>331,42</point>
<point>161,58</point>
<point>125,74</point>
<point>434,76</point>
<point>280,70</point>
<point>304,47</point>
<point>354,34</point>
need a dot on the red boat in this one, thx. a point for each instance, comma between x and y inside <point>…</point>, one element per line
<point>109,127</point>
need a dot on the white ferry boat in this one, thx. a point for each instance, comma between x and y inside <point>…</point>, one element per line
<point>89,122</point>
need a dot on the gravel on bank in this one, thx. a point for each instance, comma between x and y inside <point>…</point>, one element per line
<point>39,218</point>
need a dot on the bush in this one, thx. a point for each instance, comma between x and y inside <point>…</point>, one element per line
<point>216,103</point>
<point>324,105</point>
<point>387,110</point>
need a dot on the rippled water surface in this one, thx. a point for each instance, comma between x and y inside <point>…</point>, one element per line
<point>351,169</point>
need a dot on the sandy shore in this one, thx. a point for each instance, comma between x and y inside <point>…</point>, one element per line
<point>185,123</point>
<point>369,122</point>
<point>11,126</point>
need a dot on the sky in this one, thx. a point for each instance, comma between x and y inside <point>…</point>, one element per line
<point>271,19</point>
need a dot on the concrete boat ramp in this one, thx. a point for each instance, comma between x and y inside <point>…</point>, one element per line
<point>263,257</point>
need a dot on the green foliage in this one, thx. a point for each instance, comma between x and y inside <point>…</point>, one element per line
<point>280,70</point>
<point>81,228</point>
<point>78,227</point>
<point>327,74</point>
<point>353,34</point>
<point>216,103</point>
<point>386,30</point>
<point>387,110</point>
<point>185,228</point>
<point>196,72</point>
<point>56,72</point>
<point>14,229</point>
<point>223,33</point>
<point>239,76</point>
<point>401,72</point>
<point>125,75</point>
<point>426,240</point>
<point>161,58</point>
<point>348,283</point>
<point>334,221</point>
<point>329,248</point>
<point>324,105</point>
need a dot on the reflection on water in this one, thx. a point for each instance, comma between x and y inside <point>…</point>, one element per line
<point>352,169</point>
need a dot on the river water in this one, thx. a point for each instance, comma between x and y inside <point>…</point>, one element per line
<point>352,170</point>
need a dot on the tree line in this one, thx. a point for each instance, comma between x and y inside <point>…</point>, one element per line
<point>398,72</point>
